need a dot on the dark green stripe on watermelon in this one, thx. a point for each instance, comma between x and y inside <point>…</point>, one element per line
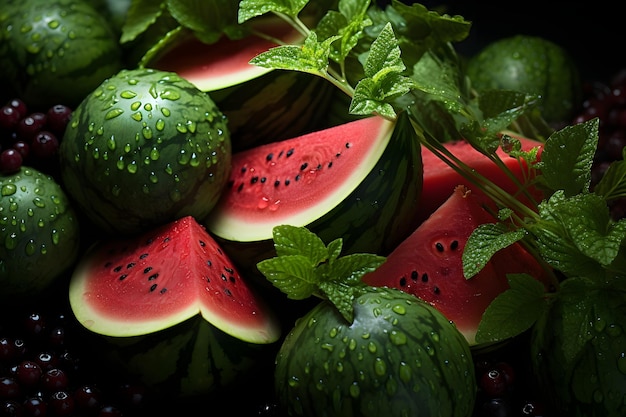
<point>191,359</point>
<point>275,106</point>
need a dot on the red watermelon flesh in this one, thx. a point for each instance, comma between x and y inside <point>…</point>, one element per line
<point>226,62</point>
<point>440,179</point>
<point>140,285</point>
<point>428,263</point>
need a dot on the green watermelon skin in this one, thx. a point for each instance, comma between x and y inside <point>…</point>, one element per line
<point>67,51</point>
<point>144,148</point>
<point>400,357</point>
<point>191,360</point>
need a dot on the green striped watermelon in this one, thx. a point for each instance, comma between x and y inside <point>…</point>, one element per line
<point>171,308</point>
<point>360,181</point>
<point>55,51</point>
<point>262,105</point>
<point>144,148</point>
<point>399,357</point>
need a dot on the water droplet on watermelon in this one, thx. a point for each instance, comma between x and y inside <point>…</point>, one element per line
<point>398,338</point>
<point>113,113</point>
<point>53,24</point>
<point>8,189</point>
<point>10,242</point>
<point>621,362</point>
<point>263,203</point>
<point>128,94</point>
<point>30,247</point>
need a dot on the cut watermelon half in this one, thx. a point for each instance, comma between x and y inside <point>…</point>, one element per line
<point>140,285</point>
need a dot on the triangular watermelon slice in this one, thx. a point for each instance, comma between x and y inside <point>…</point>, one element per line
<point>143,284</point>
<point>428,263</point>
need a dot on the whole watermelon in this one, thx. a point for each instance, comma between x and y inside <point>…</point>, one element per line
<point>144,148</point>
<point>530,64</point>
<point>54,51</point>
<point>399,357</point>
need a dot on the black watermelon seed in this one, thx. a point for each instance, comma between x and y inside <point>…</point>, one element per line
<point>319,166</point>
<point>454,245</point>
<point>436,290</point>
<point>153,277</point>
<point>153,287</point>
<point>209,263</point>
<point>424,277</point>
<point>244,169</point>
<point>263,180</point>
<point>202,243</point>
<point>148,269</point>
<point>287,182</point>
<point>117,268</point>
<point>269,156</point>
<point>254,179</point>
<point>130,265</point>
<point>414,275</point>
<point>330,164</point>
<point>163,290</point>
<point>403,281</point>
<point>229,270</point>
<point>303,166</point>
<point>290,152</point>
<point>144,255</point>
<point>122,277</point>
<point>276,183</point>
<point>298,177</point>
<point>224,278</point>
<point>348,145</point>
<point>240,187</point>
<point>439,247</point>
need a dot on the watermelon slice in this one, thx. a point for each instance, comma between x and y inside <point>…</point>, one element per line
<point>359,181</point>
<point>428,263</point>
<point>226,62</point>
<point>140,285</point>
<point>440,179</point>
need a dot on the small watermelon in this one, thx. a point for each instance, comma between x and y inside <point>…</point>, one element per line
<point>55,51</point>
<point>359,181</point>
<point>262,105</point>
<point>530,64</point>
<point>399,357</point>
<point>144,148</point>
<point>428,263</point>
<point>440,179</point>
<point>145,295</point>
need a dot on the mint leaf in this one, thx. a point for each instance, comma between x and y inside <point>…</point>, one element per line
<point>290,240</point>
<point>513,311</point>
<point>586,224</point>
<point>252,8</point>
<point>312,57</point>
<point>483,243</point>
<point>383,80</point>
<point>348,23</point>
<point>141,15</point>
<point>304,266</point>
<point>208,19</point>
<point>292,274</point>
<point>567,157</point>
<point>612,185</point>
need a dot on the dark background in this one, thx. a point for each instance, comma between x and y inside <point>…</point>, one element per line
<point>592,32</point>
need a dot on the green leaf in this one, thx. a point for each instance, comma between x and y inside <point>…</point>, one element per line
<point>502,107</point>
<point>141,15</point>
<point>513,311</point>
<point>586,224</point>
<point>292,274</point>
<point>483,243</point>
<point>208,19</point>
<point>304,267</point>
<point>383,80</point>
<point>612,185</point>
<point>252,8</point>
<point>292,240</point>
<point>348,23</point>
<point>567,157</point>
<point>312,57</point>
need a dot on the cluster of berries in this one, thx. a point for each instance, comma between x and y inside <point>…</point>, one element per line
<point>30,138</point>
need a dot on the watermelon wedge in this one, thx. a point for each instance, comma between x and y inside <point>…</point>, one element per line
<point>440,179</point>
<point>143,284</point>
<point>428,264</point>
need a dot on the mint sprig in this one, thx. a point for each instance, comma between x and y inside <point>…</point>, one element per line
<point>304,266</point>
